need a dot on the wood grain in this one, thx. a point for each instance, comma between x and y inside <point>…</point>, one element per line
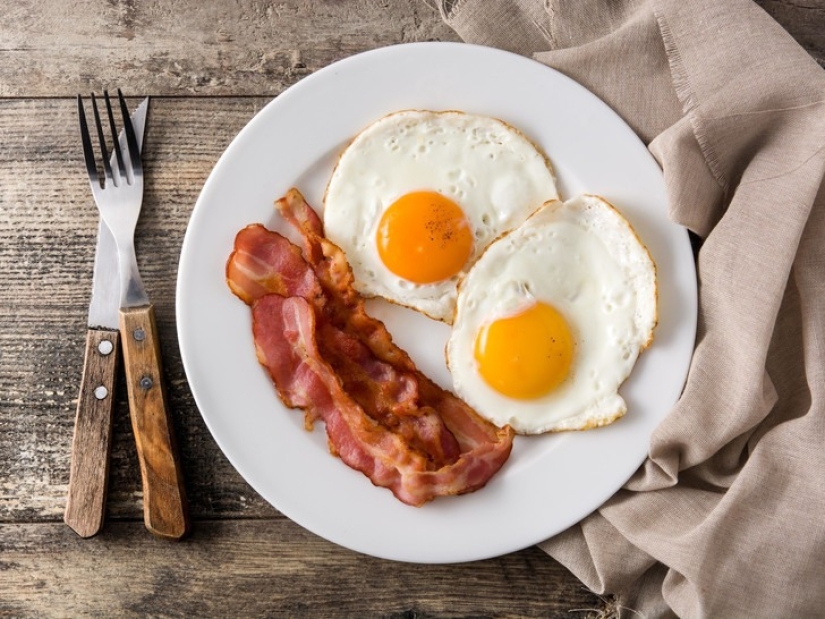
<point>165,507</point>
<point>92,440</point>
<point>265,568</point>
<point>244,47</point>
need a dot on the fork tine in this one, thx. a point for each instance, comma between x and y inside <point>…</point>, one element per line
<point>131,138</point>
<point>106,167</point>
<point>115,144</point>
<point>88,151</point>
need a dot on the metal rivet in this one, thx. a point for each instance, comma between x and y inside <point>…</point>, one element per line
<point>139,334</point>
<point>146,382</point>
<point>101,392</point>
<point>105,347</point>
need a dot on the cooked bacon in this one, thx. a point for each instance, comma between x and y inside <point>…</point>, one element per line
<point>285,336</point>
<point>284,330</point>
<point>327,356</point>
<point>264,263</point>
<point>386,394</point>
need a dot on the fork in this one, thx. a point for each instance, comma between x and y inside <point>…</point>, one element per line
<point>119,199</point>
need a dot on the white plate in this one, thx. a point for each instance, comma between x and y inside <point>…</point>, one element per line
<point>550,482</point>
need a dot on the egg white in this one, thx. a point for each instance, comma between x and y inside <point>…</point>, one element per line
<point>583,258</point>
<point>491,170</point>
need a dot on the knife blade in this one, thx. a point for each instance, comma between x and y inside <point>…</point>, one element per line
<point>92,440</point>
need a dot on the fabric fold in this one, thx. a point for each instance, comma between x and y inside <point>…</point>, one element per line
<point>723,518</point>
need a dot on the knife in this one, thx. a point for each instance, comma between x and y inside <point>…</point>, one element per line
<point>92,441</point>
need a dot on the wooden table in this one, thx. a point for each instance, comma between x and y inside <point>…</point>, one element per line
<point>210,67</point>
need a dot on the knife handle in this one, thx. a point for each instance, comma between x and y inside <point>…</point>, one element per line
<point>92,441</point>
<point>165,509</point>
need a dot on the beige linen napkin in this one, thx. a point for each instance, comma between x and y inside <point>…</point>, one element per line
<point>726,518</point>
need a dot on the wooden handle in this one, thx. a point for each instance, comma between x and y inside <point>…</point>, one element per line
<point>165,510</point>
<point>92,442</point>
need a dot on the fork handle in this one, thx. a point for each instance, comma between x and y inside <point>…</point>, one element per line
<point>92,441</point>
<point>165,509</point>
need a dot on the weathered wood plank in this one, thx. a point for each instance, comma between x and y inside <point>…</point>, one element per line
<point>245,47</point>
<point>265,569</point>
<point>249,47</point>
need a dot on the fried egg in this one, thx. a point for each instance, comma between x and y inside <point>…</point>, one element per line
<point>418,195</point>
<point>551,319</point>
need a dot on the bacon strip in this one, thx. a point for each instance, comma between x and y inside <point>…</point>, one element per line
<point>387,394</point>
<point>264,263</point>
<point>327,356</point>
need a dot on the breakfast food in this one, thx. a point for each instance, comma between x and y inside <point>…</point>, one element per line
<point>551,319</point>
<point>417,196</point>
<point>456,216</point>
<point>326,356</point>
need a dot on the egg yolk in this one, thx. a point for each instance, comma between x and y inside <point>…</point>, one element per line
<point>526,355</point>
<point>424,237</point>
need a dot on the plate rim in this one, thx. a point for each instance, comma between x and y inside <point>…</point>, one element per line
<point>198,210</point>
